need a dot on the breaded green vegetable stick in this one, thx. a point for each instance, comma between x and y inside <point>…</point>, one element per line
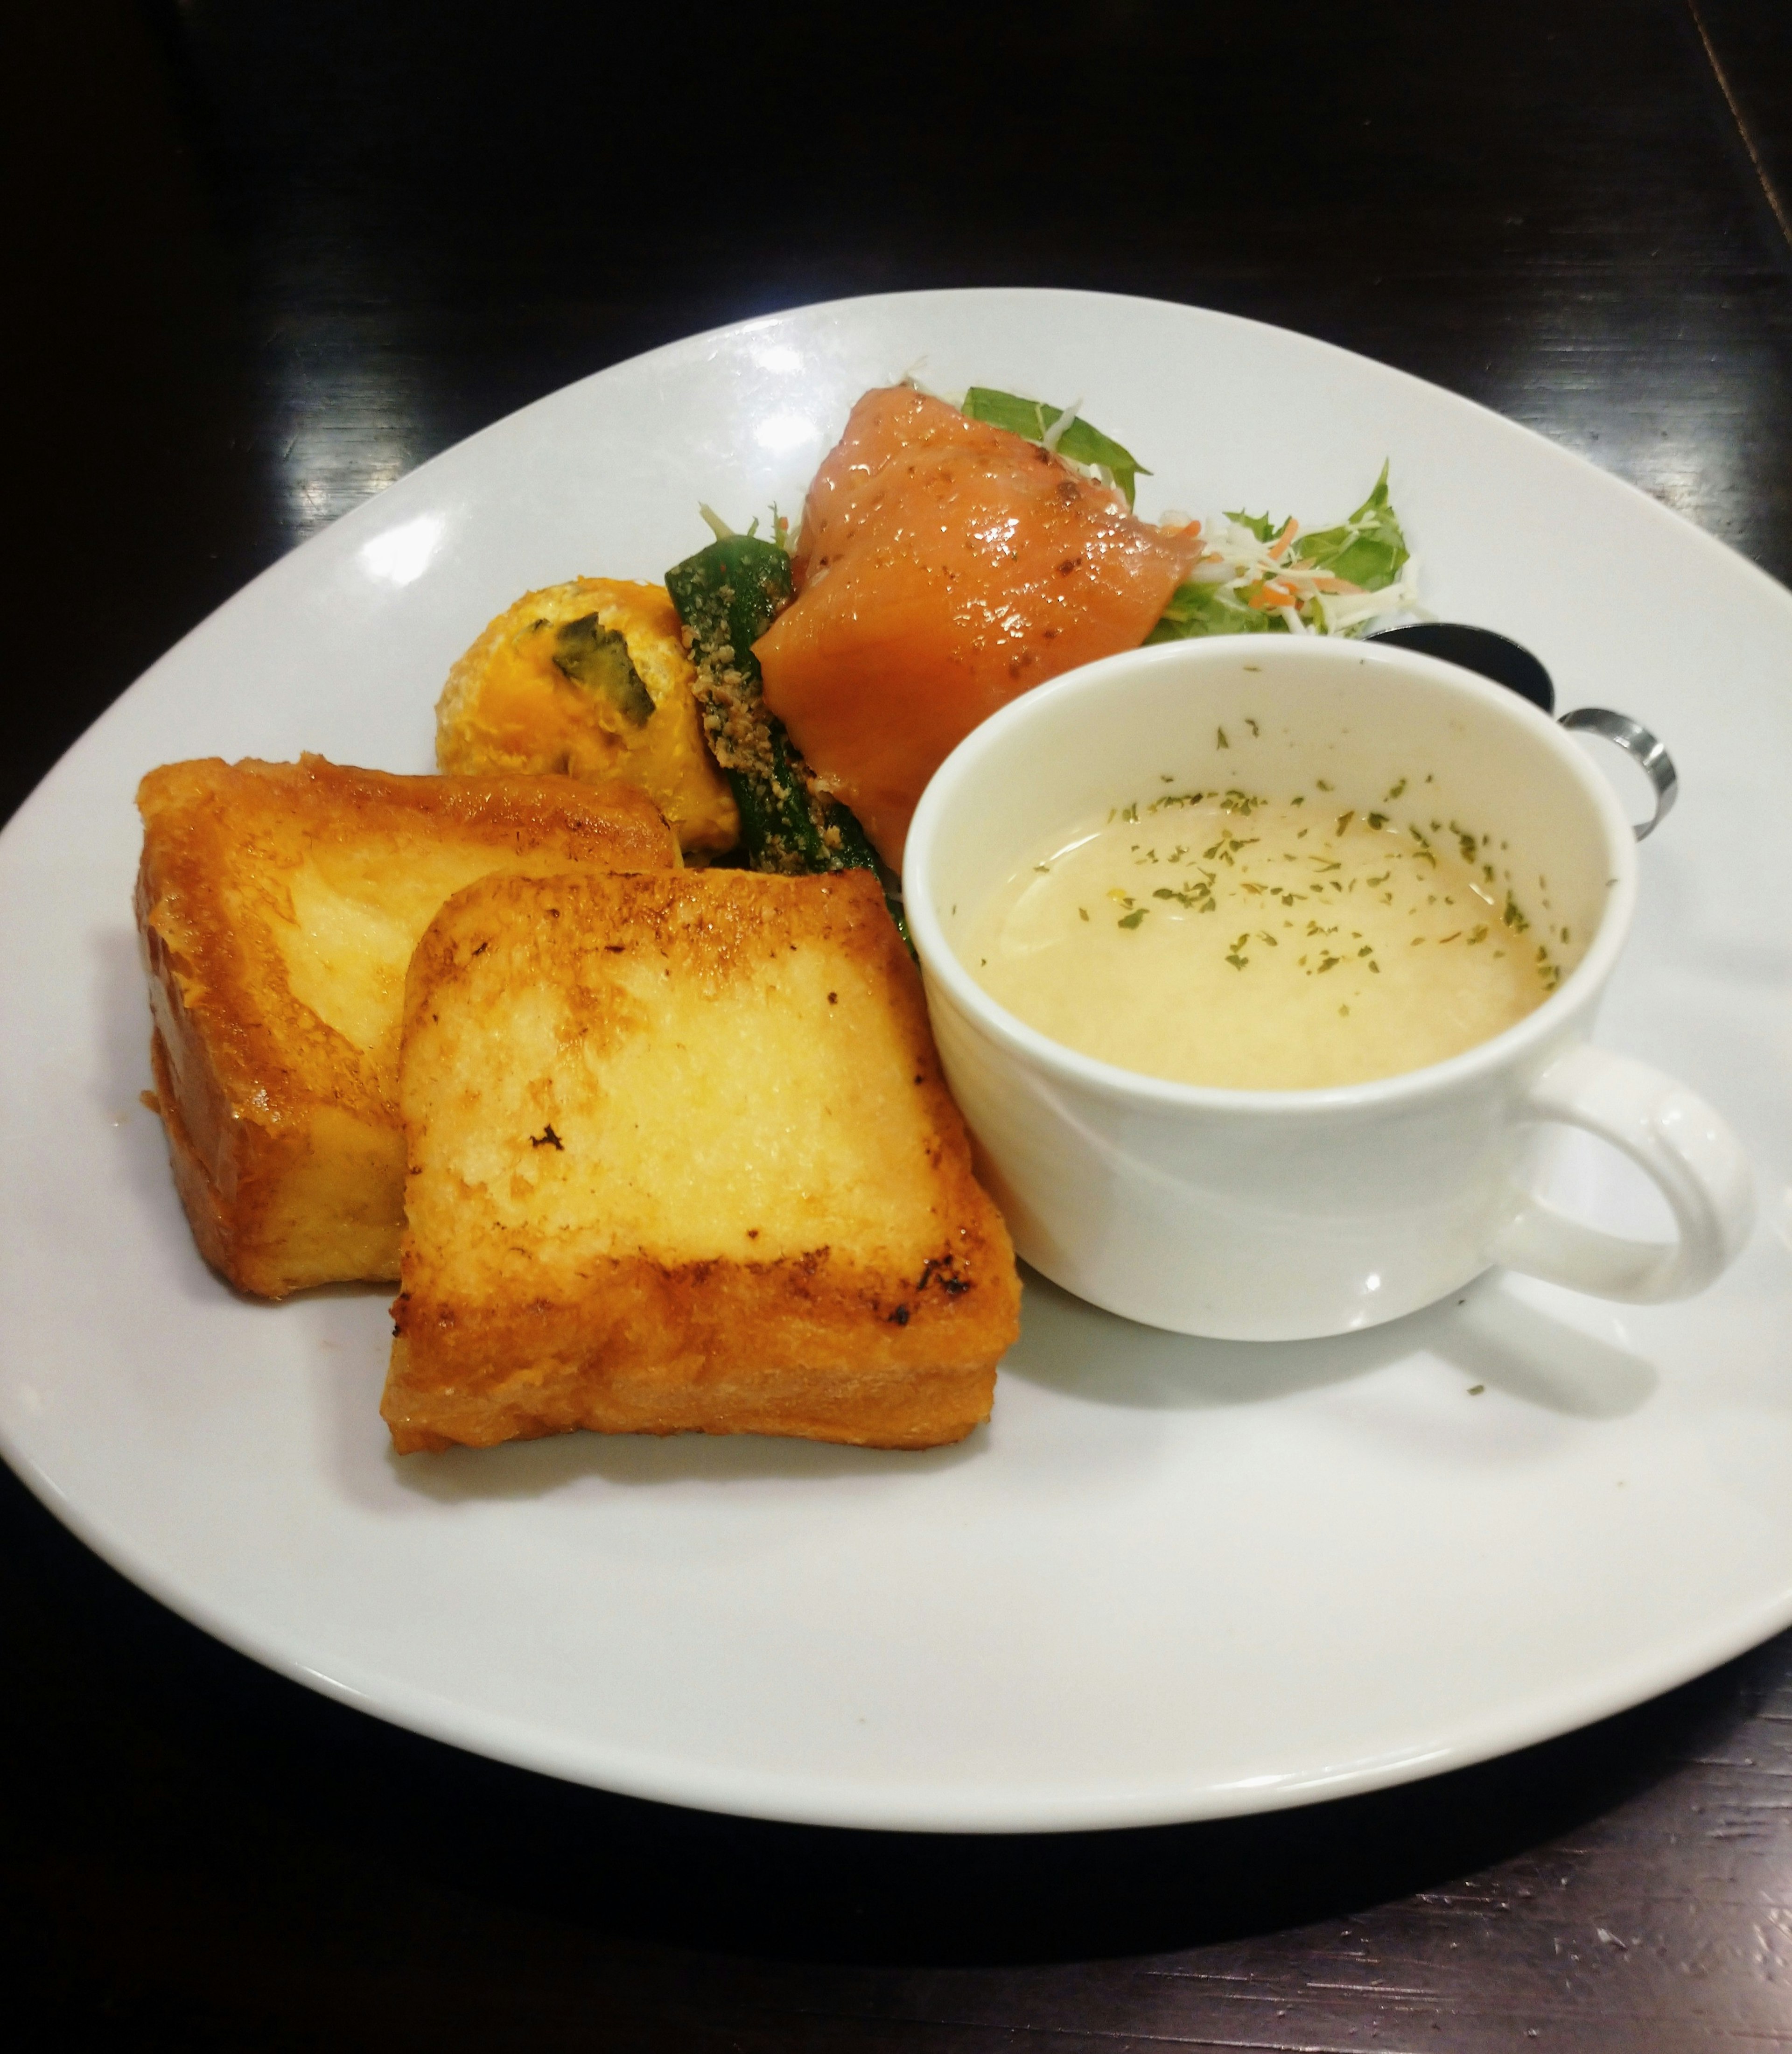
<point>727,596</point>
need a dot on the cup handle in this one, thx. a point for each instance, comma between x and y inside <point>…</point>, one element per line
<point>1676,1139</point>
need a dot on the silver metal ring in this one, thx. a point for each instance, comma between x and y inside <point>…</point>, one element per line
<point>1647,750</point>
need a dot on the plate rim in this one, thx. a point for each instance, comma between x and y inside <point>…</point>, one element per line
<point>841,1804</point>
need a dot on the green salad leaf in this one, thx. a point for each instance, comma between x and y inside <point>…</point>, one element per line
<point>1261,524</point>
<point>1368,549</point>
<point>1079,442</point>
<point>1211,609</point>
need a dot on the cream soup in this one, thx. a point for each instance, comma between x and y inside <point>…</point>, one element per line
<point>1230,938</point>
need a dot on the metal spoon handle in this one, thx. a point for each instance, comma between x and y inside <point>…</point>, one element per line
<point>1646,749</point>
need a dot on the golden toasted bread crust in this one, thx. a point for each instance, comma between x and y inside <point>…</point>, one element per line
<point>199,1190</point>
<point>549,1281</point>
<point>283,1131</point>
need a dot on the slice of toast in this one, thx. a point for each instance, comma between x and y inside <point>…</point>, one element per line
<point>680,1157</point>
<point>278,905</point>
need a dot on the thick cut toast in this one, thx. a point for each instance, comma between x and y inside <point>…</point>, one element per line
<point>278,904</point>
<point>680,1157</point>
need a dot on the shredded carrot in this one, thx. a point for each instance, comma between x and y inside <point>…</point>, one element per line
<point>1290,528</point>
<point>1269,597</point>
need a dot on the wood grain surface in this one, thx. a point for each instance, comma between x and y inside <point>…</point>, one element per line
<point>263,260</point>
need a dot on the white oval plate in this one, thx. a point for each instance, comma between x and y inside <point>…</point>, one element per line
<point>1173,1578</point>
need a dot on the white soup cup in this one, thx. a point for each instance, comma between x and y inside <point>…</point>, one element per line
<point>1280,1215</point>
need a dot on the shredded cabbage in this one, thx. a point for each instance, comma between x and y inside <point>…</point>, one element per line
<point>1259,575</point>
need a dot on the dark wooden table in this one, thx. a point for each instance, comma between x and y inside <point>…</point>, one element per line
<point>267,258</point>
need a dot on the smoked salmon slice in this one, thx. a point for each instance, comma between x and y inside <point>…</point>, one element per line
<point>945,567</point>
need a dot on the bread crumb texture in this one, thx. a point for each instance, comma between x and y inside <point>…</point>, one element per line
<point>680,1156</point>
